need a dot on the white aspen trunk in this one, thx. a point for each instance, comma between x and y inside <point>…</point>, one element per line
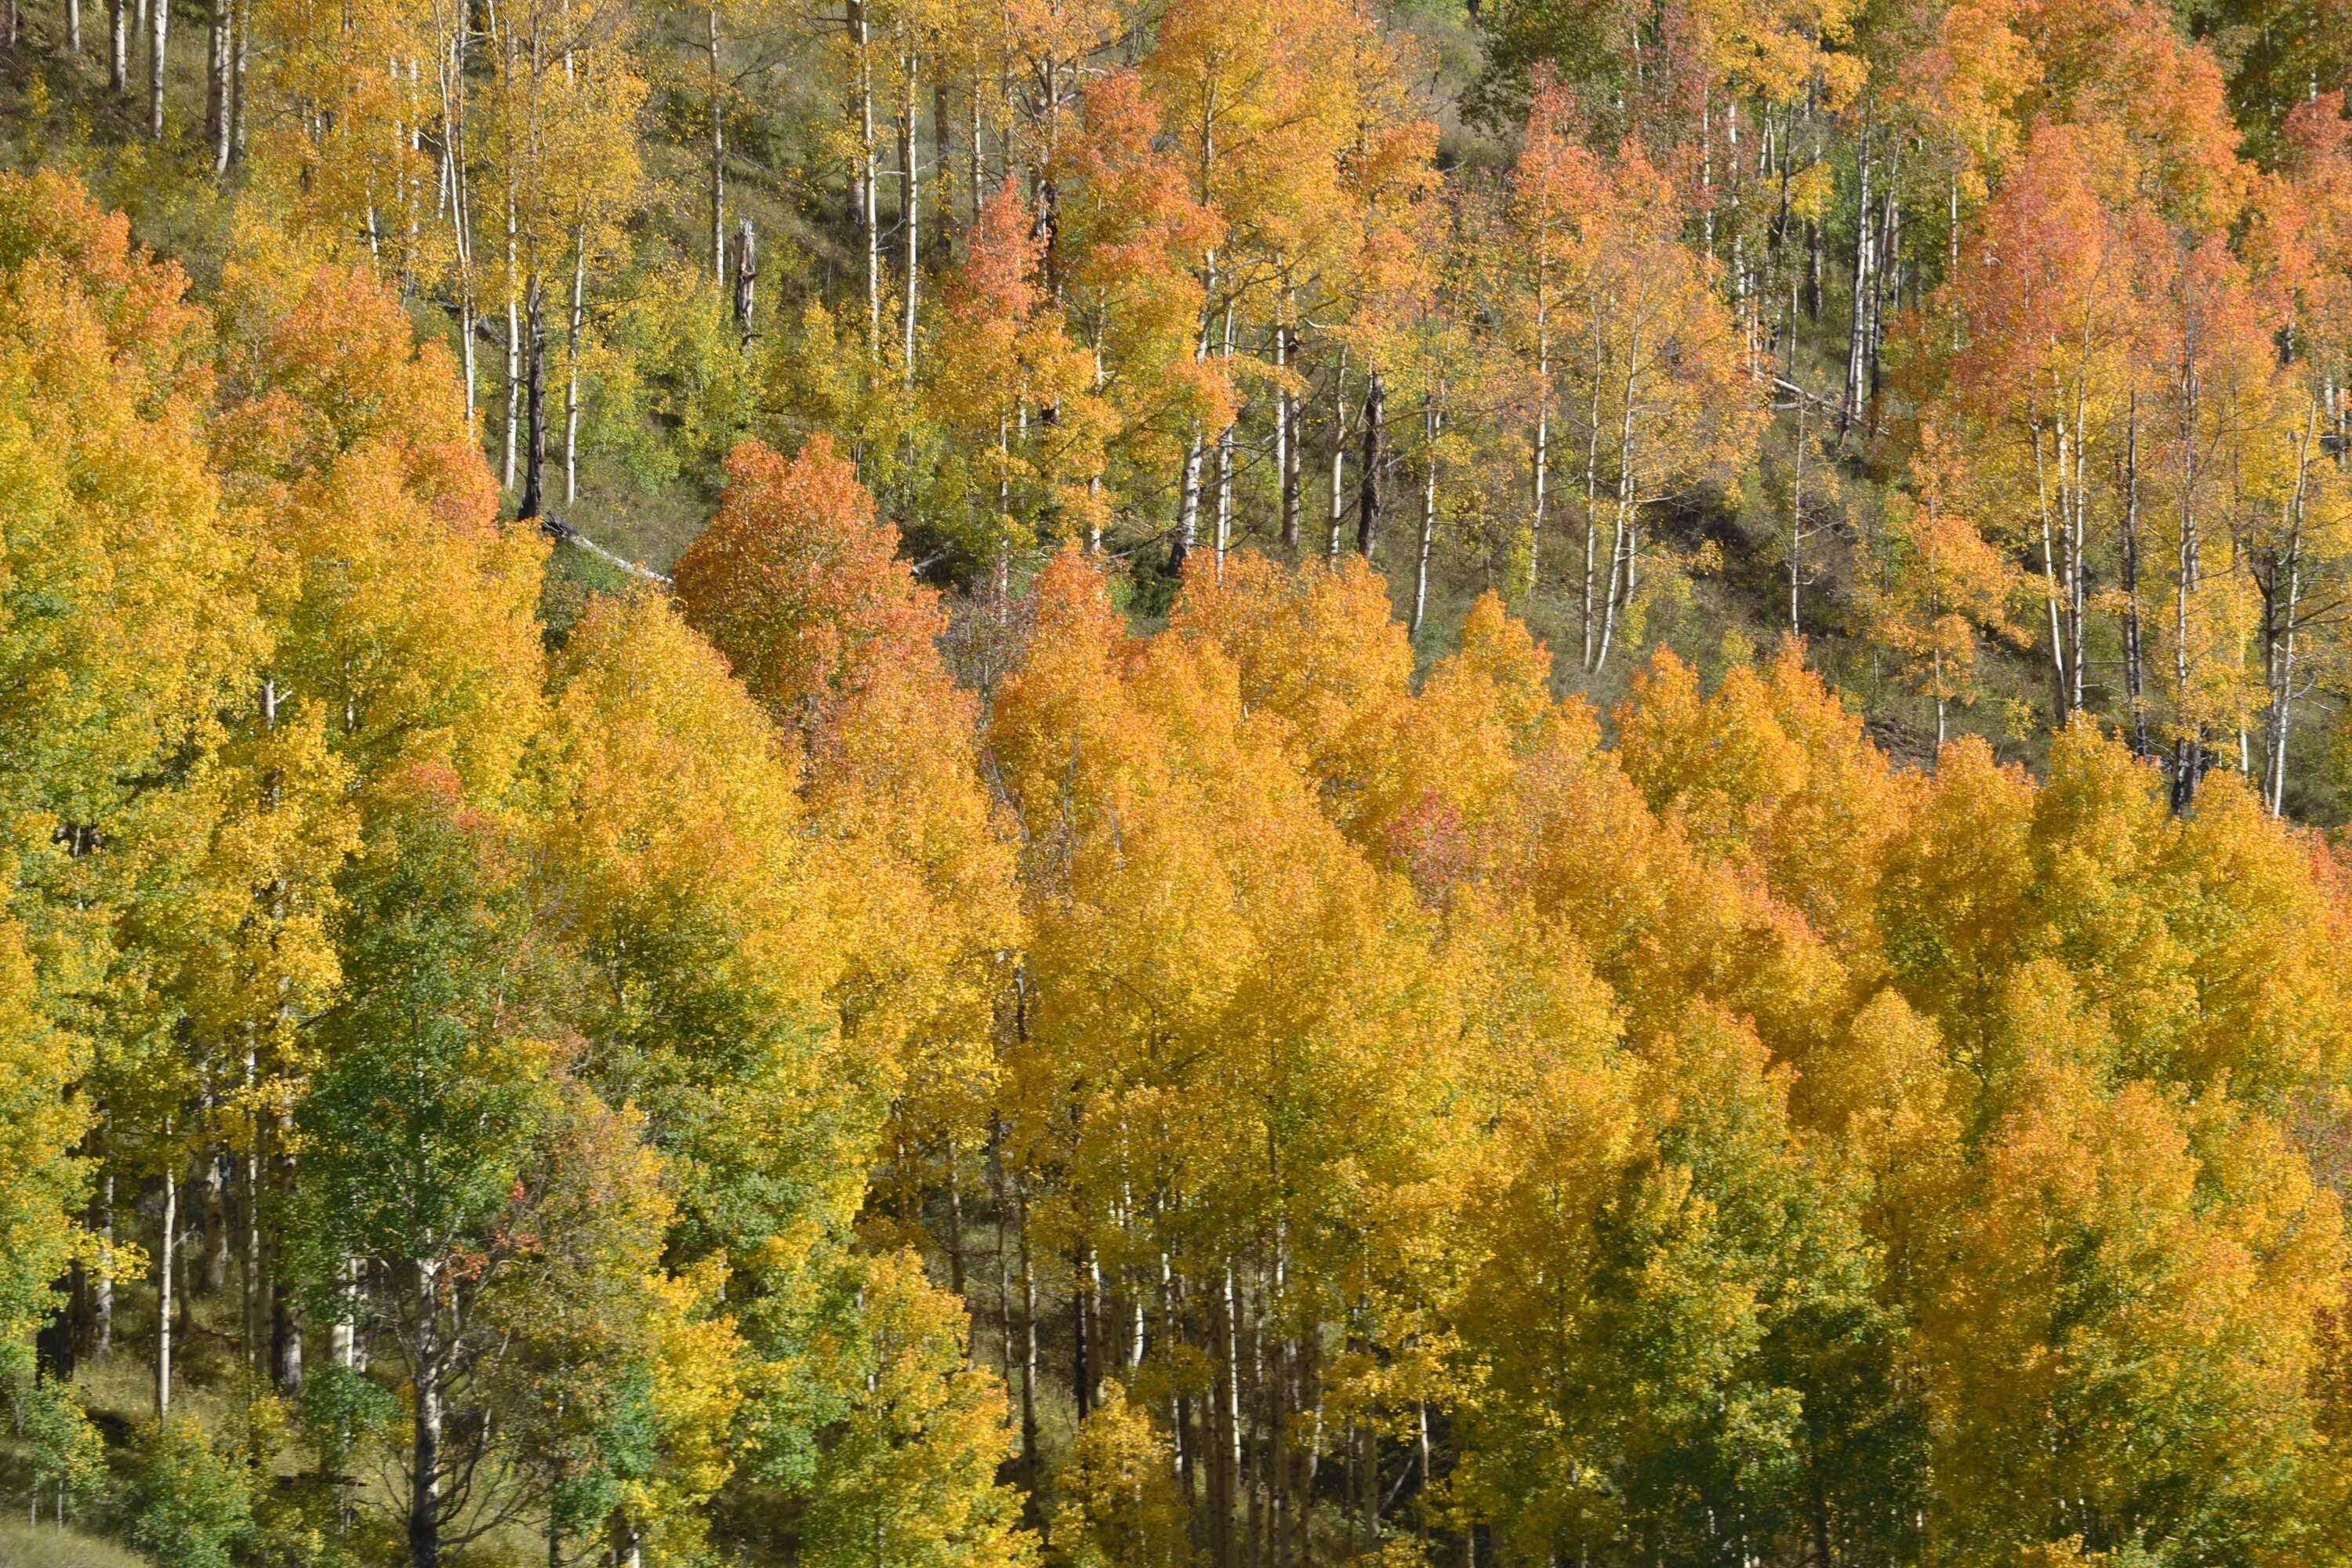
<point>2282,676</point>
<point>342,1340</point>
<point>716,87</point>
<point>1285,437</point>
<point>2188,750</point>
<point>1543,439</point>
<point>163,1271</point>
<point>1339,457</point>
<point>571,367</point>
<point>2049,568</point>
<point>1592,496</point>
<point>868,206</point>
<point>1621,558</point>
<point>976,153</point>
<point>2135,689</point>
<point>103,1295</point>
<point>217,88</point>
<point>1796,535</point>
<point>425,1475</point>
<point>241,14</point>
<point>910,218</point>
<point>1432,422</point>
<point>1858,329</point>
<point>158,24</point>
<point>1225,462</point>
<point>514,344</point>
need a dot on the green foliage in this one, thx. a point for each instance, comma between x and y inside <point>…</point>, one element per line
<point>194,1505</point>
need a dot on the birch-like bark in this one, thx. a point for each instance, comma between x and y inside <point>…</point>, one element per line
<point>1225,461</point>
<point>164,1257</point>
<point>2134,675</point>
<point>513,428</point>
<point>216,88</point>
<point>534,503</point>
<point>424,1457</point>
<point>868,205</point>
<point>1858,318</point>
<point>1543,432</point>
<point>1621,543</point>
<point>1286,428</point>
<point>2280,644</point>
<point>102,1293</point>
<point>2049,572</point>
<point>2188,751</point>
<point>910,204</point>
<point>1432,422</point>
<point>715,92</point>
<point>571,366</point>
<point>1339,457</point>
<point>1797,540</point>
<point>1593,499</point>
<point>159,28</point>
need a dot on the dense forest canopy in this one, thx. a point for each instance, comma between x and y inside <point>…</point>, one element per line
<point>1193,784</point>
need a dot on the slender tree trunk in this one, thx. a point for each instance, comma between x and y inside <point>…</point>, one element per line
<point>941,162</point>
<point>868,205</point>
<point>1081,1365</point>
<point>534,393</point>
<point>103,1295</point>
<point>253,1284</point>
<point>1368,496</point>
<point>2279,645</point>
<point>1188,504</point>
<point>1593,499</point>
<point>573,328</point>
<point>2078,527</point>
<point>513,430</point>
<point>1339,457</point>
<point>1029,1456</point>
<point>1883,261</point>
<point>216,88</point>
<point>165,1259</point>
<point>240,50</point>
<point>2189,747</point>
<point>1432,422</point>
<point>118,46</point>
<point>1225,462</point>
<point>1812,270</point>
<point>714,90</point>
<point>158,24</point>
<point>1858,320</point>
<point>977,153</point>
<point>424,1462</point>
<point>1622,542</point>
<point>2050,597</point>
<point>909,219</point>
<point>215,1221</point>
<point>1543,439</point>
<point>1797,531</point>
<point>344,1339</point>
<point>2135,677</point>
<point>73,28</point>
<point>747,278</point>
<point>1286,428</point>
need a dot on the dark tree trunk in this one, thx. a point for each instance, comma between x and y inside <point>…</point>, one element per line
<point>1368,495</point>
<point>535,401</point>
